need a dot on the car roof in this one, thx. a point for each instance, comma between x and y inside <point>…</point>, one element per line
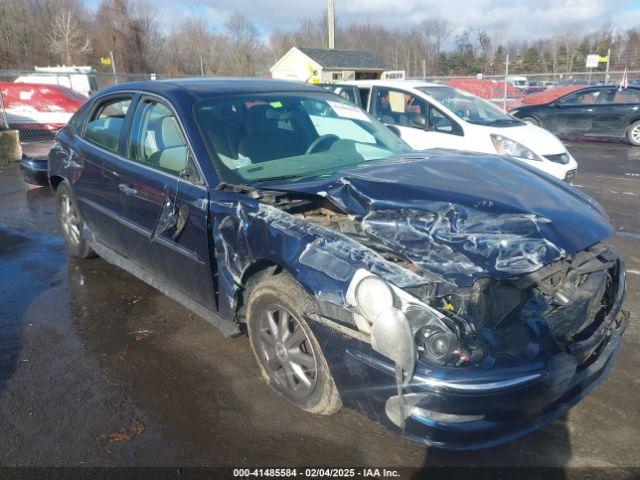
<point>394,83</point>
<point>211,87</point>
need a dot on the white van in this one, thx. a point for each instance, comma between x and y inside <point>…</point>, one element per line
<point>80,79</point>
<point>429,115</point>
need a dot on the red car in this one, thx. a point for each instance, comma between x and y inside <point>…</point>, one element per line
<point>31,106</point>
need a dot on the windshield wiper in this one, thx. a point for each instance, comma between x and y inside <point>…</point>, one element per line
<point>278,177</point>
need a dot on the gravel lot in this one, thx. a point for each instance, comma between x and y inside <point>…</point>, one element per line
<point>97,368</point>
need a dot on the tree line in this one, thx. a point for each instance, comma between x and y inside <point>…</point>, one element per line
<point>55,32</point>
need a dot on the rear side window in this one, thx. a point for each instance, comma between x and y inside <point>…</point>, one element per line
<point>626,96</point>
<point>77,121</point>
<point>106,123</point>
<point>156,139</point>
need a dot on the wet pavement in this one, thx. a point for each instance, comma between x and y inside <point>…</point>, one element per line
<point>97,368</point>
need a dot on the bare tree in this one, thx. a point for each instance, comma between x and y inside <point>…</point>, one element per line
<point>436,30</point>
<point>68,41</point>
<point>244,46</point>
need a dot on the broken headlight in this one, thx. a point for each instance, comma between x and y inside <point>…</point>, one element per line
<point>437,346</point>
<point>386,312</point>
<point>511,148</point>
<point>373,296</point>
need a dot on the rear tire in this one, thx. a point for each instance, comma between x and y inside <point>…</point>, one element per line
<point>70,222</point>
<point>531,120</point>
<point>633,134</point>
<point>288,354</point>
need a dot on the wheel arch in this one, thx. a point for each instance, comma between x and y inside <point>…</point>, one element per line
<point>531,115</point>
<point>55,180</point>
<point>631,122</point>
<point>255,271</point>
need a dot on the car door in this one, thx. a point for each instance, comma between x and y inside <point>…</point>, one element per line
<point>417,122</point>
<point>616,109</point>
<point>574,114</point>
<point>166,202</point>
<point>97,149</point>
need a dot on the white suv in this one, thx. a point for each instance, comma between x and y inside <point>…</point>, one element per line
<point>429,115</point>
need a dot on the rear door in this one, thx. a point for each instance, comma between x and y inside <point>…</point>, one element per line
<point>166,202</point>
<point>617,108</point>
<point>418,123</point>
<point>97,148</point>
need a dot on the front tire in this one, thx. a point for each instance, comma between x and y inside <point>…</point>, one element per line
<point>633,134</point>
<point>288,354</point>
<point>531,120</point>
<point>70,222</point>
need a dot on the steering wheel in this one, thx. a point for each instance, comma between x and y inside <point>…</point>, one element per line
<point>320,140</point>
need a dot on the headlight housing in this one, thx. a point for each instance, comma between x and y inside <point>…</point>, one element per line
<point>511,148</point>
<point>386,312</point>
<point>373,296</point>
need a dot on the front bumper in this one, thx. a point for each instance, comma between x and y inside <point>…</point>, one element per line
<point>471,408</point>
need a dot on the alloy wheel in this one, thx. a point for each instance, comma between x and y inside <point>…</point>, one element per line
<point>635,134</point>
<point>286,351</point>
<point>69,220</point>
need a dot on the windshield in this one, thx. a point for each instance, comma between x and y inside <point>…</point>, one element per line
<point>470,108</point>
<point>259,137</point>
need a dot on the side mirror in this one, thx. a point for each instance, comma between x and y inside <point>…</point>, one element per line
<point>418,120</point>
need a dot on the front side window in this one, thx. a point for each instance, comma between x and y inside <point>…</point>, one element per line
<point>258,137</point>
<point>105,126</point>
<point>156,139</point>
<point>470,108</point>
<point>581,98</point>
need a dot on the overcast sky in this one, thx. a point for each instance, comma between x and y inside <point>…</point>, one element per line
<point>503,19</point>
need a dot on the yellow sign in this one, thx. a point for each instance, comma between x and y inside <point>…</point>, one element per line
<point>603,59</point>
<point>105,60</point>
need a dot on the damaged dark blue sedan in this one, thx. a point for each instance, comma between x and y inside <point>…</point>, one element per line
<point>461,299</point>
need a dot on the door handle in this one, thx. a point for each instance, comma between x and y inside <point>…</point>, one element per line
<point>127,190</point>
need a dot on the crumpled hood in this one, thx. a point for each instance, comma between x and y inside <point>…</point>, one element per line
<point>463,216</point>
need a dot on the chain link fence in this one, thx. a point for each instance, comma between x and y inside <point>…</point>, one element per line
<point>534,88</point>
<point>38,104</point>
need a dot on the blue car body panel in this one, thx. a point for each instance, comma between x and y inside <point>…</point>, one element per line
<point>457,218</point>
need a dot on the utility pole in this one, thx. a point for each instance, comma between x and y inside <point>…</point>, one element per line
<point>424,69</point>
<point>506,75</point>
<point>331,20</point>
<point>606,72</point>
<point>113,66</point>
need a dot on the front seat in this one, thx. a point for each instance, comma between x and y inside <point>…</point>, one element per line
<point>264,141</point>
<point>172,155</point>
